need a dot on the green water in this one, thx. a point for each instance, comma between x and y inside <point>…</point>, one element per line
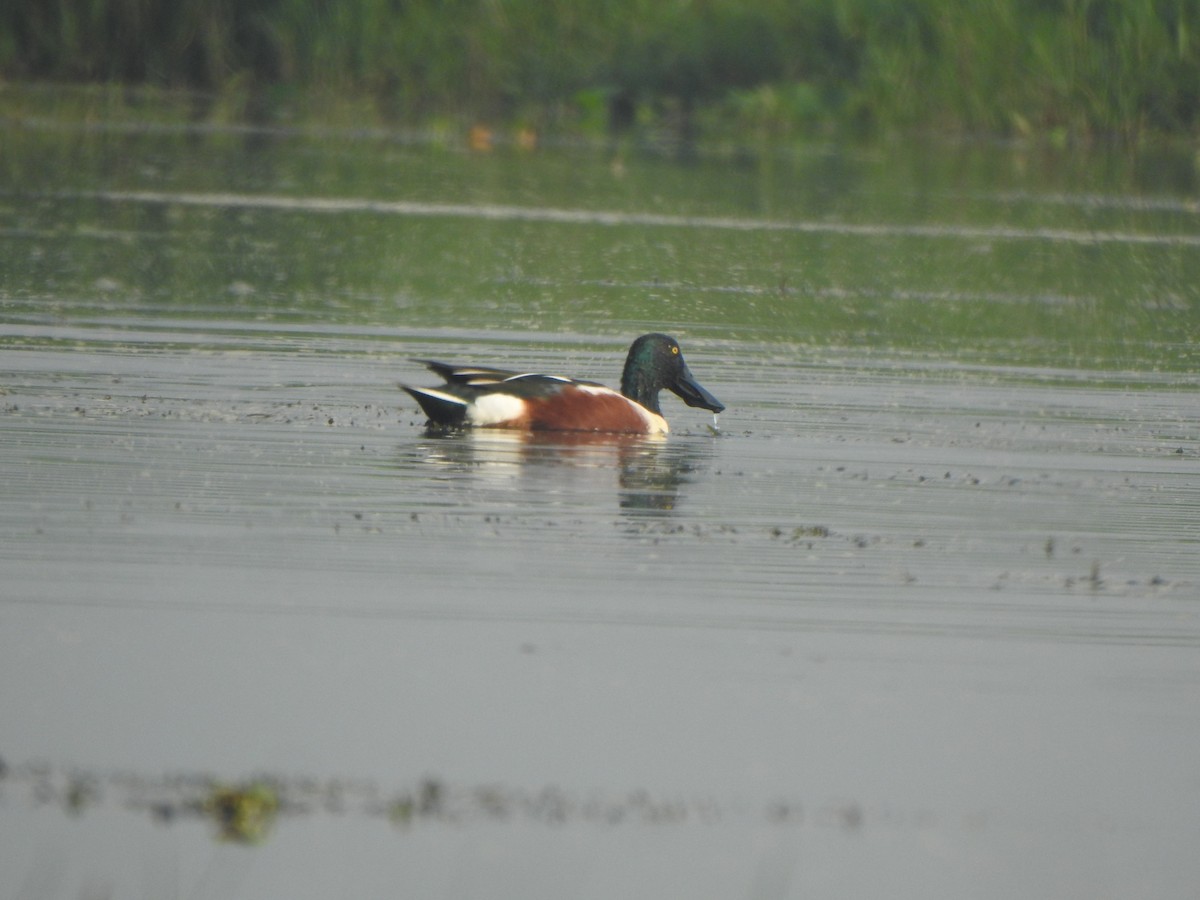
<point>978,254</point>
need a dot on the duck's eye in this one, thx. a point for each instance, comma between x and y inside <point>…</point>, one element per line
<point>674,351</point>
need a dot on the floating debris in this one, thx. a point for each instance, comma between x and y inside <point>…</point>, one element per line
<point>244,814</point>
<point>81,793</point>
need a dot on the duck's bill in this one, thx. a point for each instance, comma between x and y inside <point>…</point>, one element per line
<point>690,391</point>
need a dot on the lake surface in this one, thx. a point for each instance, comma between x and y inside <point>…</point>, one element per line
<point>919,617</point>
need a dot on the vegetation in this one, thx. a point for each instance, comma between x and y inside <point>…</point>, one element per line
<point>1071,68</point>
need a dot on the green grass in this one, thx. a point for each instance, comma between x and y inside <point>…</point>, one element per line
<point>1067,69</point>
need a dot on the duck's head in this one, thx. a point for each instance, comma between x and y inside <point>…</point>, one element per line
<point>656,362</point>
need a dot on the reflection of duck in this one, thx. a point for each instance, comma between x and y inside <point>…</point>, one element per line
<point>497,398</point>
<point>651,483</point>
<point>650,472</point>
<point>507,452</point>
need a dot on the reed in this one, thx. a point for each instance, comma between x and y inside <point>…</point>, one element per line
<point>1070,68</point>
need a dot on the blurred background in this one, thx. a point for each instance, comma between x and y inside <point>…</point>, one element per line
<point>1065,69</point>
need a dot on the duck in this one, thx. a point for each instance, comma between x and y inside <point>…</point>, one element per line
<point>483,397</point>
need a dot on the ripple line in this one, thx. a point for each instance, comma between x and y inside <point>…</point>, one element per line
<point>501,212</point>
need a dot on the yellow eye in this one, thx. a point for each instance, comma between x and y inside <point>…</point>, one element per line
<point>674,351</point>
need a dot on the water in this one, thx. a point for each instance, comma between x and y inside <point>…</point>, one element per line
<point>918,618</point>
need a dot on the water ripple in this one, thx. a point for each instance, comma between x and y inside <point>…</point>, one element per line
<point>507,213</point>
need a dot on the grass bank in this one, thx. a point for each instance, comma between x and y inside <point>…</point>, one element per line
<point>1062,68</point>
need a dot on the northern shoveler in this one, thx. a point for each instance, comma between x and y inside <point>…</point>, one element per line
<point>495,398</point>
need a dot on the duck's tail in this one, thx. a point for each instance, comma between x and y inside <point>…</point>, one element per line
<point>442,408</point>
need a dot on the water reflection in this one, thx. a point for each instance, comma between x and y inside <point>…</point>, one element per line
<point>650,471</point>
